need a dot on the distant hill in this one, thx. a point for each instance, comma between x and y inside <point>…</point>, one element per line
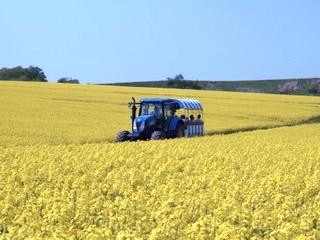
<point>299,86</point>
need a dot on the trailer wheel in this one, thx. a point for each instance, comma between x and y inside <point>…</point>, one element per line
<point>122,136</point>
<point>158,135</point>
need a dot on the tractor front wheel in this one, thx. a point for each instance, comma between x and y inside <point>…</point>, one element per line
<point>158,135</point>
<point>122,136</point>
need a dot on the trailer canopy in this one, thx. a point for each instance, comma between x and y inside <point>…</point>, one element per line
<point>188,104</point>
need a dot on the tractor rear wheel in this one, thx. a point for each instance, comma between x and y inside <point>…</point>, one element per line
<point>158,135</point>
<point>122,136</point>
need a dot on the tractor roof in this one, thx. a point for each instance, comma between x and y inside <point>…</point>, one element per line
<point>183,103</point>
<point>157,100</point>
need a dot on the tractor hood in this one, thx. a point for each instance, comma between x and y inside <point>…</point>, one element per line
<point>141,122</point>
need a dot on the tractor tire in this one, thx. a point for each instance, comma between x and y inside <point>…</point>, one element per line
<point>158,135</point>
<point>122,136</point>
<point>180,131</point>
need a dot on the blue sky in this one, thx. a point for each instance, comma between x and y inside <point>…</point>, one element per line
<point>115,41</point>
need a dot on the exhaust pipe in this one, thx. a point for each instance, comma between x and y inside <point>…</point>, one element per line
<point>134,111</point>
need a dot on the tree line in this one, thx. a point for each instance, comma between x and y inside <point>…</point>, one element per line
<point>30,74</point>
<point>19,73</point>
<point>179,82</point>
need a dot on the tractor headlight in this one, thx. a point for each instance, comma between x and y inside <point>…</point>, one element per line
<point>135,129</point>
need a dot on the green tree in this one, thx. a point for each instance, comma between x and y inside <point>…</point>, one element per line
<point>68,80</point>
<point>31,73</point>
<point>178,77</point>
<point>315,87</point>
<point>36,73</point>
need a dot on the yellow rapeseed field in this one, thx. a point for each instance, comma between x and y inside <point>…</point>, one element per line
<point>61,177</point>
<point>46,113</point>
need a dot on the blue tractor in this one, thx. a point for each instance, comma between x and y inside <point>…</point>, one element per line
<point>160,118</point>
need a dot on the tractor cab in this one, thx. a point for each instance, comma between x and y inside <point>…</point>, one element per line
<point>159,118</point>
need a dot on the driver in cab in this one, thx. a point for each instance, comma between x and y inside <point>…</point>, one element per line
<point>157,112</point>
